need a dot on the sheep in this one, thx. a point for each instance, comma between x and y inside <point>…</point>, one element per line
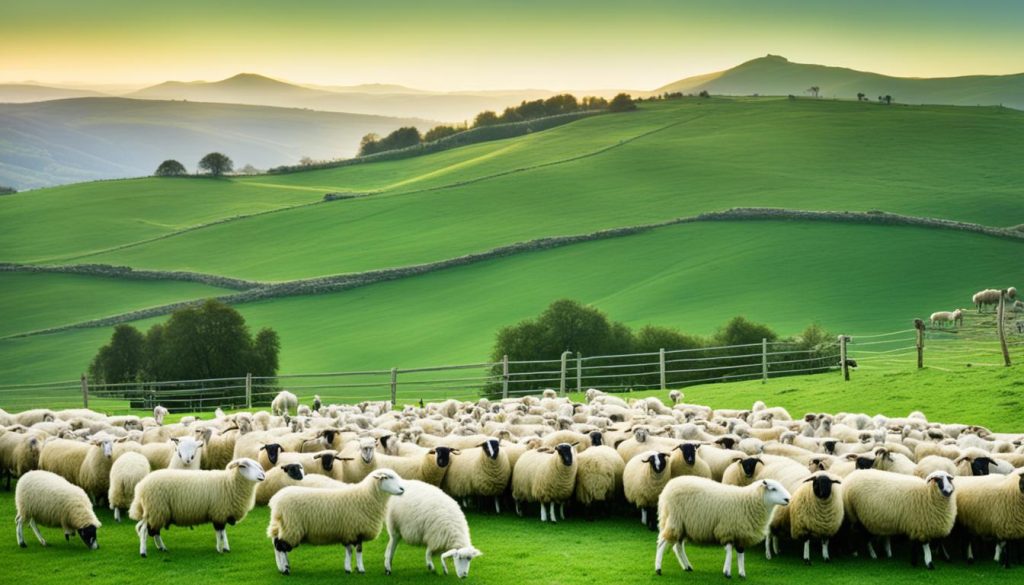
<point>431,466</point>
<point>598,476</point>
<point>37,415</point>
<point>287,475</point>
<point>989,296</point>
<point>643,479</point>
<point>51,500</point>
<point>816,511</point>
<point>188,498</point>
<point>19,453</point>
<point>546,476</point>
<point>349,514</point>
<point>425,515</point>
<point>480,471</point>
<point>991,507</point>
<point>125,474</point>
<point>218,446</point>
<point>284,403</point>
<point>888,504</point>
<point>688,461</point>
<point>940,318</point>
<point>931,463</point>
<point>703,511</point>
<point>355,471</point>
<point>94,473</point>
<point>158,454</point>
<point>675,396</point>
<point>64,457</point>
<point>187,454</point>
<point>974,461</point>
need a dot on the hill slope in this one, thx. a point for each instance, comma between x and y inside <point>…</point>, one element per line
<point>774,75</point>
<point>17,93</point>
<point>62,141</point>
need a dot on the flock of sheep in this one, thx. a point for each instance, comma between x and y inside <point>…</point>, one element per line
<point>342,473</point>
<point>981,299</point>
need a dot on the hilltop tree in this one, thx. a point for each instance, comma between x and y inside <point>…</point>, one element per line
<point>369,144</point>
<point>860,97</point>
<point>439,132</point>
<point>621,103</point>
<point>485,118</point>
<point>888,99</point>
<point>704,94</point>
<point>170,168</point>
<point>122,359</point>
<point>306,161</point>
<point>216,164</point>
<point>814,90</point>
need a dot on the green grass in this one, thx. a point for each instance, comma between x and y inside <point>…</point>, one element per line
<point>32,301</point>
<point>693,277</point>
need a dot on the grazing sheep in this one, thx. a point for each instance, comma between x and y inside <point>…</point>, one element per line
<point>546,476</point>
<point>984,298</point>
<point>703,511</point>
<point>889,504</point>
<point>189,498</point>
<point>125,474</point>
<point>349,514</point>
<point>940,318</point>
<point>49,499</point>
<point>598,476</point>
<point>480,471</point>
<point>991,507</point>
<point>427,516</point>
<point>816,511</point>
<point>159,412</point>
<point>642,480</point>
<point>284,403</point>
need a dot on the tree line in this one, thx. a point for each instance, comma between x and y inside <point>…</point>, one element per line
<point>215,164</point>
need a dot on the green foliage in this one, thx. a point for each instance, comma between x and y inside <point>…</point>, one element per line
<point>621,103</point>
<point>121,360</point>
<point>741,331</point>
<point>216,164</point>
<point>485,118</point>
<point>7,190</point>
<point>401,138</point>
<point>170,168</point>
<point>442,131</point>
<point>266,348</point>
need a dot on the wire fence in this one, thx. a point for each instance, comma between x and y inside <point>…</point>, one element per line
<point>970,345</point>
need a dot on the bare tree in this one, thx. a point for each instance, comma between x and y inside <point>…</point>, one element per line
<point>860,97</point>
<point>814,90</point>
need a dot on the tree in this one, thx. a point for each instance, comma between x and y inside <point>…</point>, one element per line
<point>265,348</point>
<point>216,164</point>
<point>814,90</point>
<point>170,168</point>
<point>249,170</point>
<point>485,118</point>
<point>888,99</point>
<point>369,144</point>
<point>861,97</point>
<point>306,161</point>
<point>740,331</point>
<point>621,103</point>
<point>704,93</point>
<point>439,132</point>
<point>404,137</point>
<point>122,359</point>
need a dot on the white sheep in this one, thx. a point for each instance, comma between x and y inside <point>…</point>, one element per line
<point>287,475</point>
<point>426,516</point>
<point>598,476</point>
<point>19,453</point>
<point>126,472</point>
<point>187,454</point>
<point>816,511</point>
<point>46,498</point>
<point>940,318</point>
<point>349,514</point>
<point>189,498</point>
<point>991,507</point>
<point>546,476</point>
<point>159,412</point>
<point>643,479</point>
<point>94,473</point>
<point>64,457</point>
<point>480,471</point>
<point>700,510</point>
<point>983,298</point>
<point>889,504</point>
<point>284,403</point>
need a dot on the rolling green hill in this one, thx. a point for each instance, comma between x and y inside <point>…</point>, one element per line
<point>774,75</point>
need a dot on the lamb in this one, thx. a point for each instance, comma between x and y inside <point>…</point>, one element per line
<point>701,510</point>
<point>643,479</point>
<point>159,412</point>
<point>189,498</point>
<point>983,298</point>
<point>349,514</point>
<point>425,515</point>
<point>940,318</point>
<point>888,504</point>
<point>598,476</point>
<point>547,476</point>
<point>816,511</point>
<point>480,471</point>
<point>284,403</point>
<point>187,454</point>
<point>125,474</point>
<point>992,507</point>
<point>51,500</point>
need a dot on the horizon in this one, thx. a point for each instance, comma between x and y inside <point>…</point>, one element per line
<point>461,45</point>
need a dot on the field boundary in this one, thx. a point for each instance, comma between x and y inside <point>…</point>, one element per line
<point>251,291</point>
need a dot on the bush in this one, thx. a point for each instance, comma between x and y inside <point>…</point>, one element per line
<point>621,103</point>
<point>170,168</point>
<point>7,190</point>
<point>216,164</point>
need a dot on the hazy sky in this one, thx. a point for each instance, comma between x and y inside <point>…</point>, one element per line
<point>483,44</point>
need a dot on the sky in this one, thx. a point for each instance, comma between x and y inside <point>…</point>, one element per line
<point>494,44</point>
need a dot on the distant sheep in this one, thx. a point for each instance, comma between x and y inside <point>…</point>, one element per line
<point>427,516</point>
<point>284,403</point>
<point>49,499</point>
<point>940,318</point>
<point>984,298</point>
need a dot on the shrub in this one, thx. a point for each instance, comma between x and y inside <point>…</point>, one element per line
<point>216,164</point>
<point>170,168</point>
<point>621,103</point>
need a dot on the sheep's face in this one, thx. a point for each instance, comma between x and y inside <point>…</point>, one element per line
<point>443,455</point>
<point>327,459</point>
<point>188,450</point>
<point>273,450</point>
<point>657,461</point>
<point>250,470</point>
<point>749,465</point>
<point>865,462</point>
<point>294,471</point>
<point>980,466</point>
<point>829,446</point>
<point>640,434</point>
<point>366,450</point>
<point>88,536</point>
<point>491,447</point>
<point>774,493</point>
<point>565,451</point>
<point>822,485</point>
<point>108,447</point>
<point>328,435</point>
<point>461,558</point>
<point>389,482</point>
<point>943,482</point>
<point>596,439</point>
<point>726,442</point>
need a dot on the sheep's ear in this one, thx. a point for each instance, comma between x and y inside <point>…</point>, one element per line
<point>836,481</point>
<point>574,444</point>
<point>456,451</point>
<point>811,478</point>
<point>200,444</point>
<point>233,465</point>
<point>431,452</point>
<point>736,459</point>
<point>262,448</point>
<point>545,450</point>
<point>645,460</point>
<point>337,458</point>
<point>852,456</point>
<point>318,456</point>
<point>174,440</point>
<point>960,459</point>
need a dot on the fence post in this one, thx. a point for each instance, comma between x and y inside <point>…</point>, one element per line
<point>661,367</point>
<point>504,376</point>
<point>919,325</point>
<point>394,386</point>
<point>764,360</point>
<point>561,382</point>
<point>248,390</point>
<point>1000,315</point>
<point>579,372</point>
<point>842,356</point>
<point>85,391</point>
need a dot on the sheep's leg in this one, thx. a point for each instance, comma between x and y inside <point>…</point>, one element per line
<point>768,547</point>
<point>519,512</point>
<point>659,553</point>
<point>543,512</point>
<point>807,551</point>
<point>348,558</point>
<point>871,549</point>
<point>727,569</point>
<point>945,553</point>
<point>970,553</point>
<point>359,558</point>
<point>824,550</point>
<point>562,510</point>
<point>775,544</point>
<point>551,512</point>
<point>999,550</point>
<point>927,547</point>
<point>35,529</point>
<point>19,530</point>
<point>643,516</point>
<point>430,561</point>
<point>888,547</point>
<point>680,549</point>
<point>281,549</point>
<point>117,514</point>
<point>224,537</point>
<point>741,562</point>
<point>389,553</point>
<point>497,504</point>
<point>444,565</point>
<point>159,540</point>
<point>140,529</point>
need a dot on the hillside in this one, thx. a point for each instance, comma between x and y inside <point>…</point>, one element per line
<point>17,93</point>
<point>62,141</point>
<point>774,75</point>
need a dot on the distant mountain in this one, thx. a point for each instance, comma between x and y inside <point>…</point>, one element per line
<point>64,141</point>
<point>18,93</point>
<point>775,75</point>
